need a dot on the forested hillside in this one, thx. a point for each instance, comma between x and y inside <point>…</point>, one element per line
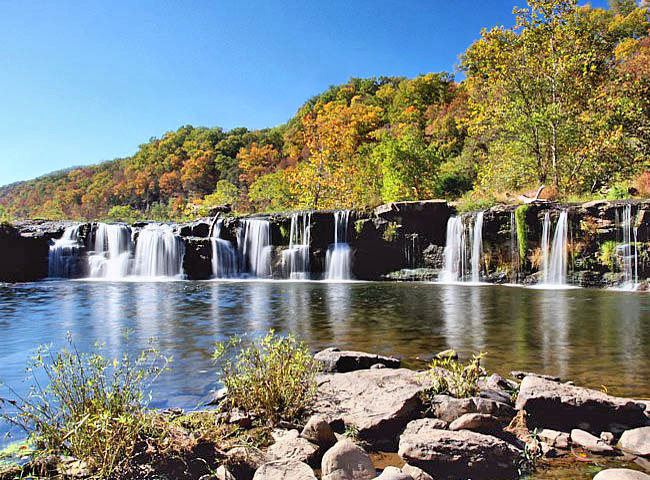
<point>561,99</point>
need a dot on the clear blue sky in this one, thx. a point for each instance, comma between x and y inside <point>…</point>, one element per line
<point>83,82</point>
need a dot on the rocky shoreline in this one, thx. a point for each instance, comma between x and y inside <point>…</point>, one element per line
<point>368,406</point>
<point>408,238</point>
<point>367,403</point>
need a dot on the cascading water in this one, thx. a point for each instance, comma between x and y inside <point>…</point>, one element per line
<point>255,247</point>
<point>555,257</point>
<point>159,252</point>
<point>339,256</point>
<point>224,257</point>
<point>463,242</point>
<point>295,260</point>
<point>112,252</point>
<point>63,255</point>
<point>628,250</point>
<point>477,248</point>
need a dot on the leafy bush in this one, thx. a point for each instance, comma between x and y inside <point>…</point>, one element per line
<point>451,377</point>
<point>471,203</point>
<point>123,213</point>
<point>272,377</point>
<point>607,254</point>
<point>522,231</point>
<point>642,184</point>
<point>93,408</point>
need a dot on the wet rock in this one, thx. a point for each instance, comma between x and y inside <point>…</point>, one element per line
<point>347,461</point>
<point>608,438</point>
<point>197,261</point>
<point>335,360</point>
<point>449,353</point>
<point>449,408</point>
<point>293,447</point>
<point>379,403</point>
<point>554,438</point>
<point>285,470</point>
<point>477,422</point>
<point>563,407</point>
<point>28,259</point>
<point>636,441</point>
<point>319,431</point>
<point>393,473</point>
<point>589,442</point>
<point>416,473</point>
<point>519,375</point>
<point>461,454</point>
<point>621,474</point>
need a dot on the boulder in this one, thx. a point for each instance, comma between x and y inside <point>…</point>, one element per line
<point>564,407</point>
<point>416,473</point>
<point>347,461</point>
<point>393,473</point>
<point>449,408</point>
<point>222,473</point>
<point>424,426</point>
<point>554,438</point>
<point>335,360</point>
<point>589,442</point>
<point>293,447</point>
<point>636,441</point>
<point>621,474</point>
<point>462,454</point>
<point>477,422</point>
<point>379,403</point>
<point>318,431</point>
<point>284,470</point>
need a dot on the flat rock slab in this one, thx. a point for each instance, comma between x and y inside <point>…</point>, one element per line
<point>293,447</point>
<point>621,474</point>
<point>463,454</point>
<point>335,360</point>
<point>379,403</point>
<point>636,441</point>
<point>285,470</point>
<point>564,407</point>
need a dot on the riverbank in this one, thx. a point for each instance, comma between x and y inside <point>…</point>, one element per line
<point>367,406</point>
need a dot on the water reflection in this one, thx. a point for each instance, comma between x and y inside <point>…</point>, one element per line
<point>593,337</point>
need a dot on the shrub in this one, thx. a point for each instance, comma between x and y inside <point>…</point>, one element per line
<point>451,377</point>
<point>607,254</point>
<point>522,231</point>
<point>271,377</point>
<point>93,408</point>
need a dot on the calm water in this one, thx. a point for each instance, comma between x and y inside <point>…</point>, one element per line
<point>594,337</point>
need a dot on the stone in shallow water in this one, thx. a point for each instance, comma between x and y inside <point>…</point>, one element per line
<point>554,438</point>
<point>636,441</point>
<point>564,407</point>
<point>393,473</point>
<point>347,461</point>
<point>284,470</point>
<point>621,474</point>
<point>379,403</point>
<point>589,442</point>
<point>335,360</point>
<point>318,431</point>
<point>461,454</point>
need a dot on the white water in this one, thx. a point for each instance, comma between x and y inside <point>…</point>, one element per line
<point>477,248</point>
<point>112,251</point>
<point>63,255</point>
<point>295,260</point>
<point>628,251</point>
<point>338,260</point>
<point>555,258</point>
<point>224,257</point>
<point>255,247</point>
<point>463,242</point>
<point>159,252</point>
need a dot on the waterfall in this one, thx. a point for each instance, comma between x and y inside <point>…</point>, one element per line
<point>555,258</point>
<point>255,246</point>
<point>63,255</point>
<point>112,251</point>
<point>514,247</point>
<point>224,257</point>
<point>158,252</point>
<point>295,260</point>
<point>628,250</point>
<point>338,260</point>
<point>463,242</point>
<point>477,248</point>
